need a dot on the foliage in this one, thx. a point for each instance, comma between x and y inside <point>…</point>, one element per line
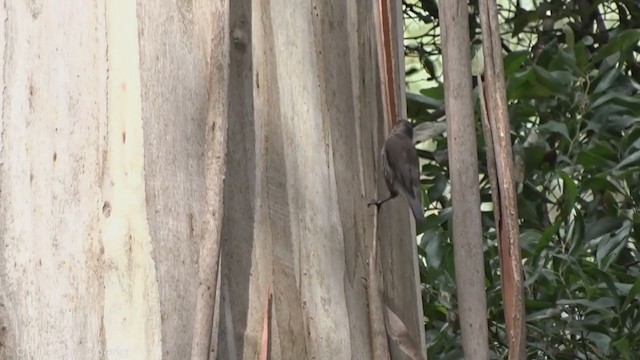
<point>572,73</point>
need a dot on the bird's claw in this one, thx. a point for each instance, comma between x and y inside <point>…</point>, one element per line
<point>374,202</point>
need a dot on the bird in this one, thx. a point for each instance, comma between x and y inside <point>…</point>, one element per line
<point>401,168</point>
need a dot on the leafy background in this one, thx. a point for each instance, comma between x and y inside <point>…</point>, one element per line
<point>573,74</point>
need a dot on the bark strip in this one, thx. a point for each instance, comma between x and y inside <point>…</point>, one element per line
<point>507,221</point>
<point>215,170</point>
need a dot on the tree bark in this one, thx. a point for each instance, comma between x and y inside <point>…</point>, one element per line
<point>498,132</point>
<point>465,193</point>
<point>295,204</point>
<point>112,168</point>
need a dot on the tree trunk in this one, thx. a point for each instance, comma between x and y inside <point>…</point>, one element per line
<point>465,193</point>
<point>302,169</point>
<point>497,132</point>
<point>112,161</point>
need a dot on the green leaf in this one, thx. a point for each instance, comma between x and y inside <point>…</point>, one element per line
<point>609,247</point>
<point>632,296</point>
<point>547,236</point>
<point>599,183</point>
<point>632,140</point>
<point>435,220</point>
<point>555,127</point>
<point>568,60</point>
<point>432,244</point>
<point>558,83</point>
<point>514,60</point>
<point>602,303</point>
<point>522,19</point>
<point>577,234</point>
<point>600,155</point>
<point>606,81</point>
<point>440,183</point>
<point>529,238</point>
<point>624,289</point>
<point>528,212</point>
<point>622,345</point>
<point>629,160</point>
<point>602,340</point>
<point>423,101</point>
<point>570,193</point>
<point>620,42</point>
<point>599,227</point>
<point>569,36</point>
<point>583,55</point>
<point>522,86</point>
<point>436,92</point>
<point>631,103</point>
<point>533,157</point>
<point>618,123</point>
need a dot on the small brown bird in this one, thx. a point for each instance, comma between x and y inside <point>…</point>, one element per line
<point>401,171</point>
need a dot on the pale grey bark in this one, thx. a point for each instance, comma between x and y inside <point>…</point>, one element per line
<point>102,177</point>
<point>53,135</point>
<point>296,214</point>
<point>108,185</point>
<point>463,162</point>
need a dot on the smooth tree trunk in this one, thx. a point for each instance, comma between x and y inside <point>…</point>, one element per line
<point>103,201</point>
<point>119,179</point>
<point>465,194</point>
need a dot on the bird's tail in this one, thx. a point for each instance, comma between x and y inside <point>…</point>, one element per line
<point>416,208</point>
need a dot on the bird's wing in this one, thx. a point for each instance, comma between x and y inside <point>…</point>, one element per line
<point>389,173</point>
<point>411,169</point>
<point>414,194</point>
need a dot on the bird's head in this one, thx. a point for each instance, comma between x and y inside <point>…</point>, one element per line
<point>403,127</point>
